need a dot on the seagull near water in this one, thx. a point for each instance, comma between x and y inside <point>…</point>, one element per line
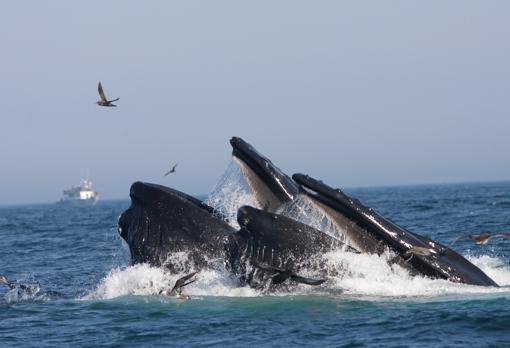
<point>6,282</point>
<point>482,238</point>
<point>22,289</point>
<point>104,101</point>
<point>177,289</point>
<point>171,170</point>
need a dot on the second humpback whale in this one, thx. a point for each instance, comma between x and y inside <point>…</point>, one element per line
<point>368,231</point>
<point>270,248</point>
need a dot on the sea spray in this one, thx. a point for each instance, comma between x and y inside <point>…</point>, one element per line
<point>144,280</point>
<point>230,193</point>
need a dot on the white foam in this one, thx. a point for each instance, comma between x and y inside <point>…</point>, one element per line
<point>371,275</point>
<point>145,280</point>
<point>135,280</point>
<point>359,275</point>
<point>494,267</point>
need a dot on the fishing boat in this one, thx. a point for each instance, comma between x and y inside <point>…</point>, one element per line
<point>83,194</point>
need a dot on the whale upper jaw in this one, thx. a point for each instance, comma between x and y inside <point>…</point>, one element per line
<point>271,186</point>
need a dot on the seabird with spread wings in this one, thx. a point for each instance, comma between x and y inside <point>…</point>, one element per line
<point>482,238</point>
<point>179,284</point>
<point>171,170</point>
<point>104,101</point>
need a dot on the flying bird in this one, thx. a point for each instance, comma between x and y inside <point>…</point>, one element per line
<point>104,101</point>
<point>482,238</point>
<point>171,170</point>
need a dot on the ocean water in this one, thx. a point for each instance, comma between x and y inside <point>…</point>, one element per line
<point>90,296</point>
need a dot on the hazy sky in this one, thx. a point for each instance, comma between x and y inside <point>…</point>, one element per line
<point>354,93</point>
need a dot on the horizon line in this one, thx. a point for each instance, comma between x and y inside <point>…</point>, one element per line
<point>444,183</point>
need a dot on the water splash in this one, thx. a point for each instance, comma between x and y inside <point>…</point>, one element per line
<point>230,193</point>
<point>23,293</point>
<point>360,275</point>
<point>145,280</point>
<point>303,210</point>
<point>373,276</point>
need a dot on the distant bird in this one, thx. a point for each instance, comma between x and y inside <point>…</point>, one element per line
<point>104,101</point>
<point>177,289</point>
<point>482,238</point>
<point>171,170</point>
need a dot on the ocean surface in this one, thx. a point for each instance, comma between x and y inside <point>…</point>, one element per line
<point>90,296</point>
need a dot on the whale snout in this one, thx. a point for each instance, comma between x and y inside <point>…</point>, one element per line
<point>123,224</point>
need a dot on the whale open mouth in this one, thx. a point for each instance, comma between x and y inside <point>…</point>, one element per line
<point>441,262</point>
<point>271,186</point>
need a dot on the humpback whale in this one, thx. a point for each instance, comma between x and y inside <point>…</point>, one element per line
<point>271,248</point>
<point>368,231</point>
<point>162,221</point>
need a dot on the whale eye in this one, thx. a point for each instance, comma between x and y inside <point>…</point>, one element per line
<point>119,230</point>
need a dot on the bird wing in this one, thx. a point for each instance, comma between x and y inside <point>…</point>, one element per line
<point>505,235</point>
<point>181,282</point>
<point>101,92</point>
<point>114,100</point>
<point>171,170</point>
<point>468,236</point>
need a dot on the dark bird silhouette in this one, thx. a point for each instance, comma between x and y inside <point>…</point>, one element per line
<point>171,170</point>
<point>482,238</point>
<point>104,101</point>
<point>179,284</point>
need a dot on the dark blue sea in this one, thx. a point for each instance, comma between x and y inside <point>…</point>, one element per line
<point>90,296</point>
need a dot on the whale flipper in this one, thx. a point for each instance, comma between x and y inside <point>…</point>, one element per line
<point>284,274</point>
